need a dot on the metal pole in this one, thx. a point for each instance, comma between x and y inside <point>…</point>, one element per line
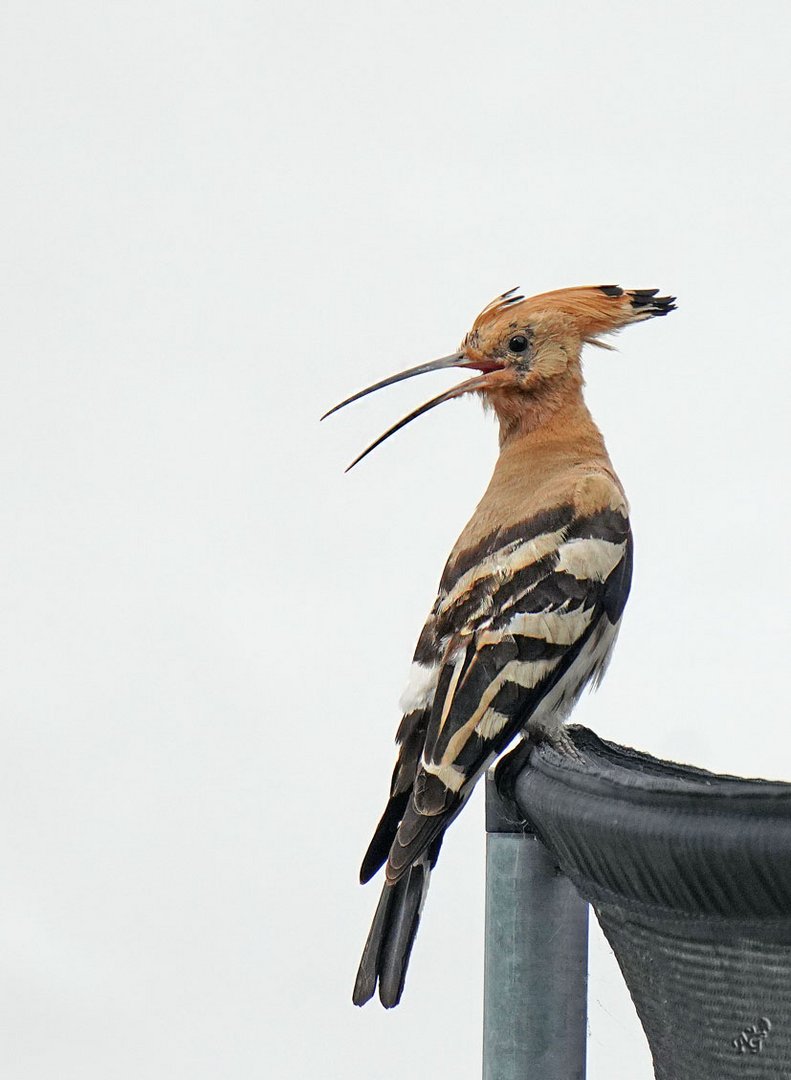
<point>536,966</point>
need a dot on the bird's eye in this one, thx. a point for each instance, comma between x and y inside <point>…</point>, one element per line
<point>518,343</point>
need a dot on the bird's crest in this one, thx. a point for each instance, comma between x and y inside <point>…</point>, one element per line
<point>593,309</point>
<point>499,304</point>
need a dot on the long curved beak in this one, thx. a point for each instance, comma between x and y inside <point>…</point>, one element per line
<point>458,359</point>
<point>480,382</point>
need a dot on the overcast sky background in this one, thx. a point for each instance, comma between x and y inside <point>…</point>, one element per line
<point>217,220</point>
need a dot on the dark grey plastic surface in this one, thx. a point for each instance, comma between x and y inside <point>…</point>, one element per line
<point>690,877</point>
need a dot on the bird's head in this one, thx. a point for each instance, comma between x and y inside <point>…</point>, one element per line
<point>527,351</point>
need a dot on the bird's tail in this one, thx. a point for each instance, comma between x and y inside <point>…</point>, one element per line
<point>387,950</point>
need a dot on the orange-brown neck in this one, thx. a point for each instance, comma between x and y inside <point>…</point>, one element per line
<point>544,457</point>
<point>521,413</point>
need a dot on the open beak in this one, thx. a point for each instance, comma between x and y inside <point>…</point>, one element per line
<point>459,359</point>
<point>456,360</point>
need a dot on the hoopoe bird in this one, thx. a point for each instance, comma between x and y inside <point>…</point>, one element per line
<point>530,600</point>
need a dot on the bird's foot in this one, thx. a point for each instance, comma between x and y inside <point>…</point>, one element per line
<point>561,741</point>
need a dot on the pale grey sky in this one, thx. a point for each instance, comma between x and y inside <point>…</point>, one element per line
<point>219,219</point>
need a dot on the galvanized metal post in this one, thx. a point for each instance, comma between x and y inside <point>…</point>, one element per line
<point>536,968</point>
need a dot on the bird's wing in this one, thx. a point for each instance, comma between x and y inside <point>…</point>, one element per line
<point>523,622</point>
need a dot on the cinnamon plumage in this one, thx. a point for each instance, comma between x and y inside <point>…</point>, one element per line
<point>531,598</point>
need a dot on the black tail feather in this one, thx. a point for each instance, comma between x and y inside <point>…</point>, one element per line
<point>387,950</point>
<point>392,934</point>
<point>403,924</point>
<point>383,836</point>
<point>368,971</point>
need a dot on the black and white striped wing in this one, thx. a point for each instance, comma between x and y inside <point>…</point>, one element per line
<point>521,632</point>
